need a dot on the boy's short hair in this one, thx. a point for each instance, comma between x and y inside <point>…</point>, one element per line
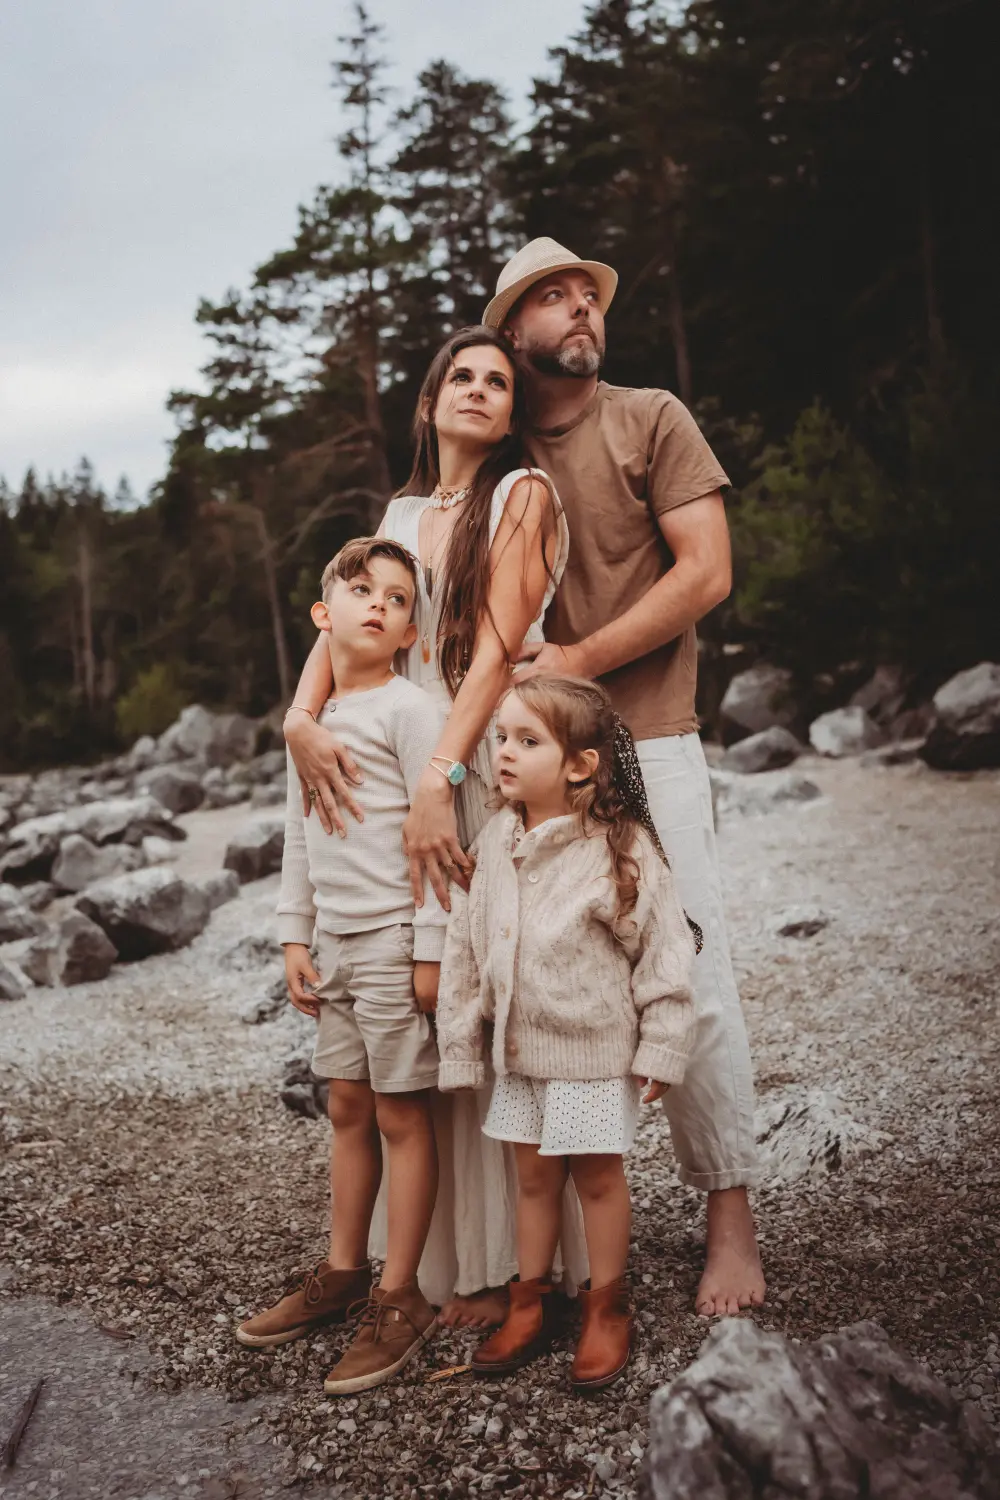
<point>356,557</point>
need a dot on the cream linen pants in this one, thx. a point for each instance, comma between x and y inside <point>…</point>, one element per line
<point>711,1112</point>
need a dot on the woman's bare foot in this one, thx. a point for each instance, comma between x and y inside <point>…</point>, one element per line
<point>733,1278</point>
<point>486,1309</point>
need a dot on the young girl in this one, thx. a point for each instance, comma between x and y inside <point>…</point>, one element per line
<point>572,944</point>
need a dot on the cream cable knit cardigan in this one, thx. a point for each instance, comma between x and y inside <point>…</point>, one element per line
<point>531,949</point>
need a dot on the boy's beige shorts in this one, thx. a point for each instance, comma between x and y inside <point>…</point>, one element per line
<point>369,1025</point>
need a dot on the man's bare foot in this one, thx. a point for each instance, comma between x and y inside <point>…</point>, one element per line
<point>486,1309</point>
<point>733,1278</point>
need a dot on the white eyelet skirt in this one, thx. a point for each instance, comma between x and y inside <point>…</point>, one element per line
<point>564,1117</point>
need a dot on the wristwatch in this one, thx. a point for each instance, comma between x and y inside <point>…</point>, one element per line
<point>452,770</point>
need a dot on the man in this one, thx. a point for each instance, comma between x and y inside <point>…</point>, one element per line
<point>649,556</point>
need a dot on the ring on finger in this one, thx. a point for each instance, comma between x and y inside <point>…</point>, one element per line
<point>313,794</point>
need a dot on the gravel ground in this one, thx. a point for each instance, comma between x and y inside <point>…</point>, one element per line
<point>150,1182</point>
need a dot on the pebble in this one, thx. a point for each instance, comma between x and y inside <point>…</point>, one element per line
<point>888,1008</point>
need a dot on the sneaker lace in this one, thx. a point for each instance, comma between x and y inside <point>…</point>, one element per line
<point>371,1314</point>
<point>307,1282</point>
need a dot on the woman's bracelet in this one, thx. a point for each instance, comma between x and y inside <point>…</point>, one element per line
<point>297,708</point>
<point>453,771</point>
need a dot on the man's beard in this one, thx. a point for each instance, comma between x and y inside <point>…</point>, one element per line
<point>579,359</point>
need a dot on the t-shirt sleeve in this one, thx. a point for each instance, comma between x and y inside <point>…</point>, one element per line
<point>681,465</point>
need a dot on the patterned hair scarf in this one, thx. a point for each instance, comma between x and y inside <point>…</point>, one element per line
<point>632,790</point>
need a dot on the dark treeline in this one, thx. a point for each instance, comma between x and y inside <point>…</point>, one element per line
<point>797,199</point>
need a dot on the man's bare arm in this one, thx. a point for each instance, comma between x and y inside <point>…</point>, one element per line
<point>701,577</point>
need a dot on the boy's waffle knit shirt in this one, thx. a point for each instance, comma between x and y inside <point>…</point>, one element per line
<point>361,882</point>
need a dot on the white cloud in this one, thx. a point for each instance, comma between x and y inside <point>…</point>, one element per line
<point>151,155</point>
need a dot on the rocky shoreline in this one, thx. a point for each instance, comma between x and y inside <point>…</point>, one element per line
<point>153,1183</point>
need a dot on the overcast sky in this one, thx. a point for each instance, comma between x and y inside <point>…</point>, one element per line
<point>153,153</point>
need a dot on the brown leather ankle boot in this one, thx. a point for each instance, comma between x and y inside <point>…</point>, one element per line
<point>527,1331</point>
<point>606,1336</point>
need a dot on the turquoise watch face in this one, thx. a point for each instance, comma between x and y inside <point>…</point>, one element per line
<point>457,773</point>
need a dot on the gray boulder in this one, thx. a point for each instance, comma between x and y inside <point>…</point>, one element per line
<point>178,788</point>
<point>807,1133</point>
<point>844,731</point>
<point>965,735</point>
<point>883,696</point>
<point>157,850</point>
<point>79,862</point>
<point>150,911</point>
<point>75,952</point>
<point>302,1091</point>
<point>757,699</point>
<point>846,1416</point>
<point>139,755</point>
<point>33,845</point>
<point>256,850</point>
<point>269,794</point>
<point>767,751</point>
<point>255,954</point>
<point>800,922</point>
<point>17,920</point>
<point>267,767</point>
<point>222,791</point>
<point>13,984</point>
<point>767,792</point>
<point>215,739</point>
<point>219,888</point>
<point>897,753</point>
<point>38,895</point>
<point>267,1006</point>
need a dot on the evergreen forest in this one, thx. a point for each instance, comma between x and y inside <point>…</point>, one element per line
<point>796,197</point>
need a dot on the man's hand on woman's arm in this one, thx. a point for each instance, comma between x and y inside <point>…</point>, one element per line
<point>701,577</point>
<point>324,764</point>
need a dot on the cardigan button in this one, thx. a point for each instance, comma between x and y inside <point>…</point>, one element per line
<point>505,932</point>
<point>512,1049</point>
<point>533,877</point>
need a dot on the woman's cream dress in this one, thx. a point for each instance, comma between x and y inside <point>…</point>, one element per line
<point>471,1242</point>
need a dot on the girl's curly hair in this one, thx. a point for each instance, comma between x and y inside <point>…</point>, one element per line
<point>578,713</point>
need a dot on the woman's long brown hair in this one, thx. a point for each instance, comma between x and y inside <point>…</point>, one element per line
<point>467,562</point>
<point>578,714</point>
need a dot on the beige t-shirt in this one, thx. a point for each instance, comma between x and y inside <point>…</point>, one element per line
<point>628,458</point>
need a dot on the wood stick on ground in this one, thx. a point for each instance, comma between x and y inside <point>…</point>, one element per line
<point>12,1444</point>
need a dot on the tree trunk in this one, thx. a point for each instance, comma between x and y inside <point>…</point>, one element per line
<point>932,311</point>
<point>274,602</point>
<point>381,479</point>
<point>678,333</point>
<point>670,194</point>
<point>86,613</point>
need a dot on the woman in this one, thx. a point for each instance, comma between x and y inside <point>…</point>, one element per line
<point>492,543</point>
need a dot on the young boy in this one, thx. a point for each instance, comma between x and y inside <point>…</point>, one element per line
<point>375,956</point>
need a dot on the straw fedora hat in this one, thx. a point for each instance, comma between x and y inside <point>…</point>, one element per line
<point>539,258</point>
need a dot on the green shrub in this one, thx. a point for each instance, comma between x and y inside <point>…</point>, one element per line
<point>811,563</point>
<point>151,704</point>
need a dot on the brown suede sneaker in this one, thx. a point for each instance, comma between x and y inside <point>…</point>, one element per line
<point>394,1327</point>
<point>320,1296</point>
